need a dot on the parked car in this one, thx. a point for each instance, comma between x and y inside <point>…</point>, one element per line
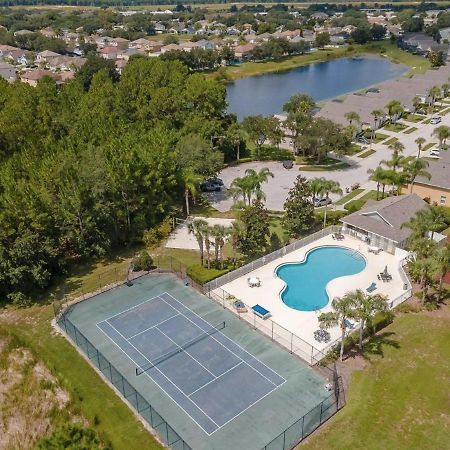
<point>435,152</point>
<point>215,180</point>
<point>321,201</point>
<point>435,120</point>
<point>209,186</point>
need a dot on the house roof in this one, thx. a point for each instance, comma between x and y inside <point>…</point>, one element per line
<point>38,74</point>
<point>108,50</point>
<point>48,54</point>
<point>439,171</point>
<point>386,217</point>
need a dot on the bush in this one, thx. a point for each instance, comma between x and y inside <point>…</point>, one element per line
<point>354,205</point>
<point>333,217</point>
<point>19,299</point>
<point>143,261</point>
<point>275,242</point>
<point>202,275</point>
<point>155,235</point>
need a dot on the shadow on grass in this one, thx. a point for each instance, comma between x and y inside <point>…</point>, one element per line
<point>376,344</point>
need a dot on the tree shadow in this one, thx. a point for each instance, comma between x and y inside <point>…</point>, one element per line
<point>376,344</point>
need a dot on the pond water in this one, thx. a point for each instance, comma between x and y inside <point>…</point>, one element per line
<point>266,94</point>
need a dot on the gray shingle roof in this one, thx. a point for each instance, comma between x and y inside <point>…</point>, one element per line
<point>386,217</point>
<point>440,173</point>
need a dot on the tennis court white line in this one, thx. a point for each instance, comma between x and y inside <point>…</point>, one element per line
<point>170,381</point>
<point>187,353</point>
<point>222,374</point>
<point>157,384</point>
<point>231,351</point>
<point>130,308</point>
<point>154,326</point>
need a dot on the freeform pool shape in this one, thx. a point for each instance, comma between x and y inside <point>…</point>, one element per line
<point>306,281</point>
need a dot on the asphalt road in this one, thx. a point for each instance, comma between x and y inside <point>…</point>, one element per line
<point>276,190</point>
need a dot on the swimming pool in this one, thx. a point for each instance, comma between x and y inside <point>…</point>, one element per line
<point>306,281</point>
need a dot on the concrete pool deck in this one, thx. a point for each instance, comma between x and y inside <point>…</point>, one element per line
<point>304,323</point>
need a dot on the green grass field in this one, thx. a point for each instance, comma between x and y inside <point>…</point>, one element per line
<point>395,127</point>
<point>400,401</point>
<point>349,196</point>
<point>366,154</point>
<point>390,141</point>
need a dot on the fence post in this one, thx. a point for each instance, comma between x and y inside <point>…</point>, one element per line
<point>320,420</point>
<point>272,330</point>
<point>303,426</point>
<point>292,339</point>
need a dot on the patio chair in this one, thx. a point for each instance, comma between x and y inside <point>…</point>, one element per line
<point>372,287</point>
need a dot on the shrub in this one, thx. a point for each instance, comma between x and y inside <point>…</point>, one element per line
<point>333,217</point>
<point>202,275</point>
<point>275,242</point>
<point>143,261</point>
<point>19,299</point>
<point>155,235</point>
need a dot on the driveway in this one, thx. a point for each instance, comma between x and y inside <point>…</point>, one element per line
<point>277,188</point>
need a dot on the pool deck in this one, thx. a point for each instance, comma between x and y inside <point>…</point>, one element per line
<point>304,323</point>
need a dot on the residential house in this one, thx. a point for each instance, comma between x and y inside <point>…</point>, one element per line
<point>232,31</point>
<point>32,77</point>
<point>129,52</point>
<point>119,43</point>
<point>46,56</point>
<point>380,224</point>
<point>8,72</point>
<point>188,46</point>
<point>436,189</point>
<point>71,38</point>
<point>18,56</point>
<point>319,16</point>
<point>66,63</point>
<point>108,52</point>
<point>169,48</point>
<point>206,45</point>
<point>242,52</point>
<point>159,28</point>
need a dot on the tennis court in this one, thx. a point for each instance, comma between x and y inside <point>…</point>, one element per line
<point>191,360</point>
<point>217,382</point>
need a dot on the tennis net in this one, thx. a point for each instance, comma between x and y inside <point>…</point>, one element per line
<point>141,369</point>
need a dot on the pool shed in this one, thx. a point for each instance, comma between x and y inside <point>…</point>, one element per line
<point>380,223</point>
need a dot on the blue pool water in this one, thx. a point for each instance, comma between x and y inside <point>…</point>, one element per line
<point>306,281</point>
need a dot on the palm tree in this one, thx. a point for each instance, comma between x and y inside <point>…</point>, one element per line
<point>423,270</point>
<point>236,234</point>
<point>257,179</point>
<point>219,233</point>
<point>442,133</point>
<point>365,308</point>
<point>414,169</point>
<point>242,187</point>
<point>236,135</point>
<point>343,309</point>
<point>316,186</point>
<point>207,239</point>
<point>442,260</point>
<point>330,187</point>
<point>352,116</point>
<point>396,159</point>
<point>433,93</point>
<point>417,103</point>
<point>377,114</point>
<point>378,175</point>
<point>395,110</point>
<point>197,228</point>
<point>420,141</point>
<point>190,183</point>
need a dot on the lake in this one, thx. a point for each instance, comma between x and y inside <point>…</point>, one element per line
<point>267,93</point>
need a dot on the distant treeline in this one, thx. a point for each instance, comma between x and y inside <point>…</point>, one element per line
<point>124,3</point>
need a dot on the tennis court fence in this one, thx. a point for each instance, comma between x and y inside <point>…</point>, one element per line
<point>164,431</point>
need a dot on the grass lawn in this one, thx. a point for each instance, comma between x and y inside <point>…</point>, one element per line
<point>328,168</point>
<point>90,395</point>
<point>266,153</point>
<point>353,150</point>
<point>378,137</point>
<point>366,153</point>
<point>390,141</point>
<point>400,400</point>
<point>410,130</point>
<point>310,164</point>
<point>416,118</point>
<point>395,127</point>
<point>348,197</point>
<point>356,205</point>
<point>428,146</point>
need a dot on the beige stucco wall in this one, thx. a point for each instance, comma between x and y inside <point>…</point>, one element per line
<point>433,193</point>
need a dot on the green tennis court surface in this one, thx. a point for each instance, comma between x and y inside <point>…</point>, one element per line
<point>218,383</point>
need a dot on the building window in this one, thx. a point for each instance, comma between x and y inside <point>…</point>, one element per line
<point>443,199</point>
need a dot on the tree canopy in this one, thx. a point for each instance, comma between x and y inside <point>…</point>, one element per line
<point>93,164</point>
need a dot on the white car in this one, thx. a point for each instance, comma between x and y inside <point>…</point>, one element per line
<point>435,120</point>
<point>435,152</point>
